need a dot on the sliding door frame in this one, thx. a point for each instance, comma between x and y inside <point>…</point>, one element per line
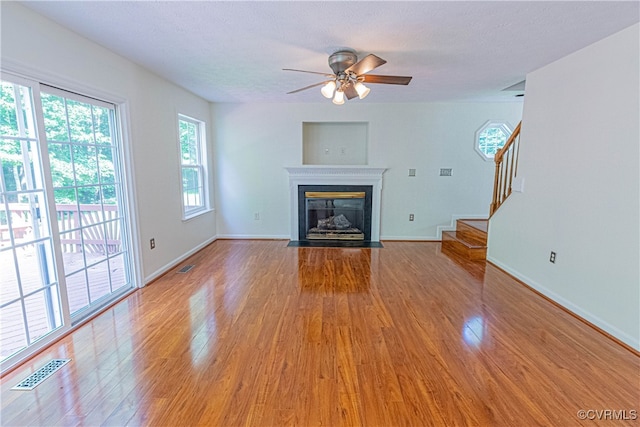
<point>36,79</point>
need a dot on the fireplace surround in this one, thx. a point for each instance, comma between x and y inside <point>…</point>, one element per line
<point>346,176</point>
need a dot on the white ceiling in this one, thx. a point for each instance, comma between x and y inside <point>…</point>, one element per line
<point>234,51</point>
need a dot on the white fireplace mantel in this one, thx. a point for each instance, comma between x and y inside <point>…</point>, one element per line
<point>336,175</point>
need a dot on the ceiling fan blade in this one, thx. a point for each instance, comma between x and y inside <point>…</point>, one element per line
<point>388,80</point>
<point>309,87</point>
<point>366,64</point>
<point>350,91</point>
<point>310,72</point>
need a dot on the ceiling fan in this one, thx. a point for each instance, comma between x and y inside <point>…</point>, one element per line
<point>349,76</point>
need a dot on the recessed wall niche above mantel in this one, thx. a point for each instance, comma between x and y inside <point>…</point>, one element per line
<point>334,143</point>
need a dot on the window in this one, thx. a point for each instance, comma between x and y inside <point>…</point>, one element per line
<point>193,167</point>
<point>491,137</point>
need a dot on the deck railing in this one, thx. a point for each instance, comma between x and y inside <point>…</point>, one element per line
<point>506,169</point>
<point>96,227</point>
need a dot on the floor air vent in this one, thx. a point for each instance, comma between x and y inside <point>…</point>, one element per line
<point>186,268</point>
<point>33,380</point>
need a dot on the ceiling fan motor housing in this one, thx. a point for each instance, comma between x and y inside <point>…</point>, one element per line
<point>341,60</point>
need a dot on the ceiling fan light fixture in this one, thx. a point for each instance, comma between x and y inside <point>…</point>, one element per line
<point>328,89</point>
<point>362,90</point>
<point>349,75</point>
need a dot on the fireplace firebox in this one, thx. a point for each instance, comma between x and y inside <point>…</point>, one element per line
<point>334,212</point>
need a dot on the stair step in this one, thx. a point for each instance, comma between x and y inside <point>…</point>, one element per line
<point>473,230</point>
<point>480,224</point>
<point>468,241</point>
<point>464,245</point>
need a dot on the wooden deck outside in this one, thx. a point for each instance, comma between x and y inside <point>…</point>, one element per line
<point>12,338</point>
<point>82,243</point>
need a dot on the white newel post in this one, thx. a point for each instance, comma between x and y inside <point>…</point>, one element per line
<point>336,175</point>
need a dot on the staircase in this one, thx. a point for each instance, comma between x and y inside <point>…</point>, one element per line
<point>469,240</point>
<point>506,160</point>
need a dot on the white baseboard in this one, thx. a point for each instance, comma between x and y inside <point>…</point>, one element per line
<point>410,238</point>
<point>454,218</point>
<point>285,237</point>
<point>254,236</point>
<point>159,272</point>
<point>578,311</point>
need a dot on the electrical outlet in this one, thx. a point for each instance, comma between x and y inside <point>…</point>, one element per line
<point>412,172</point>
<point>552,257</point>
<point>410,217</point>
<point>152,243</point>
<point>256,216</point>
<point>446,172</point>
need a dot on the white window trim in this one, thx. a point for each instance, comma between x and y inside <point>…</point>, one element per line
<point>202,165</point>
<point>506,128</point>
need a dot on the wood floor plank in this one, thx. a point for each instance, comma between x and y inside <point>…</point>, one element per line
<point>259,334</point>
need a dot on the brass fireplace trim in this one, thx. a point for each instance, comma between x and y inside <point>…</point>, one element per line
<point>334,194</point>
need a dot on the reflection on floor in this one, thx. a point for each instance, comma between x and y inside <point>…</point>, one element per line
<point>333,244</point>
<point>261,334</point>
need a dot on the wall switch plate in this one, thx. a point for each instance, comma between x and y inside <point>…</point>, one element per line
<point>411,217</point>
<point>446,172</point>
<point>552,257</point>
<point>412,172</point>
<point>152,243</point>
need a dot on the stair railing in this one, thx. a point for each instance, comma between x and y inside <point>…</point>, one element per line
<point>506,169</point>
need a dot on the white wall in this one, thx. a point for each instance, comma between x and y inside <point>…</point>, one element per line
<point>580,161</point>
<point>254,142</point>
<point>38,48</point>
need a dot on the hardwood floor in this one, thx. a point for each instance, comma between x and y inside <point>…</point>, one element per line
<point>259,334</point>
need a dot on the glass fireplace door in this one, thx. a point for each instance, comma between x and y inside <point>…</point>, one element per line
<point>335,215</point>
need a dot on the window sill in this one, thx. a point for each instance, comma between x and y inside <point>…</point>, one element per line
<point>197,214</point>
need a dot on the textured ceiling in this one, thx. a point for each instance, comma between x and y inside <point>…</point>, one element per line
<point>234,51</point>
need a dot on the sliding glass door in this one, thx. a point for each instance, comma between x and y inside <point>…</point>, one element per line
<point>65,240</point>
<point>88,192</point>
<point>29,292</point>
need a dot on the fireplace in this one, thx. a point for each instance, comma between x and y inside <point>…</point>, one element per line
<point>334,212</point>
<point>317,178</point>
